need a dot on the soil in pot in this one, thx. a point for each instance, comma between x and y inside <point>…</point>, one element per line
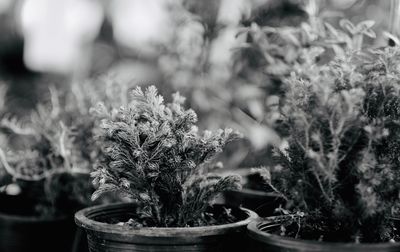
<point>104,235</point>
<point>22,231</point>
<point>263,239</point>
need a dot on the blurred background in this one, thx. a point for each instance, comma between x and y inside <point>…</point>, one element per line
<point>207,50</point>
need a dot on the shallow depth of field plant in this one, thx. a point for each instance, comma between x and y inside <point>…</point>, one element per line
<point>339,171</point>
<point>45,177</point>
<point>46,164</point>
<point>154,155</point>
<point>54,149</point>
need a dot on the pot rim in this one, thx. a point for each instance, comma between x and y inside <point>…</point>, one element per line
<point>254,232</point>
<point>85,222</point>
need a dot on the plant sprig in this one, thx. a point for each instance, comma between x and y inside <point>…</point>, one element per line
<point>155,155</point>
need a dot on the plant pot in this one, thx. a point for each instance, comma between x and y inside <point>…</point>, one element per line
<point>263,203</point>
<point>110,237</point>
<point>21,232</point>
<point>262,241</point>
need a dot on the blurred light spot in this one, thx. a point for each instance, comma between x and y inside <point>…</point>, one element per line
<point>5,5</point>
<point>57,33</point>
<point>189,43</point>
<point>135,72</point>
<point>141,24</point>
<point>231,12</point>
<point>343,4</point>
<point>260,136</point>
<point>222,47</point>
<point>13,189</point>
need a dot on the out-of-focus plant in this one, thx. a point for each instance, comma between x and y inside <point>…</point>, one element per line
<point>75,113</point>
<point>271,54</point>
<point>3,93</point>
<point>59,146</point>
<point>199,64</point>
<point>142,26</point>
<point>43,168</point>
<point>154,155</point>
<point>236,79</point>
<point>4,178</point>
<point>277,51</point>
<point>338,170</point>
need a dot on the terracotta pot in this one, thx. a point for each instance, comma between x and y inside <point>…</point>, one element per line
<point>262,241</point>
<point>110,237</point>
<point>21,232</point>
<point>263,203</point>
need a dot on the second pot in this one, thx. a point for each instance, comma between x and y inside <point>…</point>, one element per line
<point>262,241</point>
<point>21,232</point>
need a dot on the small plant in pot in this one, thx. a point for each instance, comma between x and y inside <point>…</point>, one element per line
<point>41,198</point>
<point>154,156</point>
<point>338,171</point>
<point>42,186</point>
<point>271,54</point>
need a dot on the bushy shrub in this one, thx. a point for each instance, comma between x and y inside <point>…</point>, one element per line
<point>47,165</point>
<point>43,171</point>
<point>154,155</point>
<point>52,151</point>
<point>339,168</point>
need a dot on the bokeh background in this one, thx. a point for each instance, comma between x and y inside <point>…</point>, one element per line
<point>189,46</point>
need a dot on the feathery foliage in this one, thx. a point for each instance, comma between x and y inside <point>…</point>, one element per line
<point>43,171</point>
<point>155,156</point>
<point>58,145</point>
<point>46,164</point>
<point>340,165</point>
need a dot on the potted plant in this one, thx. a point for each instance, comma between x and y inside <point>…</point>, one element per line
<point>154,156</point>
<point>48,158</point>
<point>43,183</point>
<point>270,55</point>
<point>41,197</point>
<point>338,167</point>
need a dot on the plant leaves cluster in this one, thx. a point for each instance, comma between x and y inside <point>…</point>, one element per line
<point>154,155</point>
<point>53,150</point>
<point>43,171</point>
<point>339,164</point>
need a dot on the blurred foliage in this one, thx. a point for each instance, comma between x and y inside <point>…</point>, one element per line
<point>42,165</point>
<point>227,57</point>
<point>338,168</point>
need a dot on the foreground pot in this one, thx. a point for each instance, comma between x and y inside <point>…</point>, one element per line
<point>110,237</point>
<point>262,241</point>
<point>21,232</point>
<point>263,203</point>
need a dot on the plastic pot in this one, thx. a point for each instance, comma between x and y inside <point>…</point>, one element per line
<point>262,241</point>
<point>110,237</point>
<point>263,203</point>
<point>21,232</point>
